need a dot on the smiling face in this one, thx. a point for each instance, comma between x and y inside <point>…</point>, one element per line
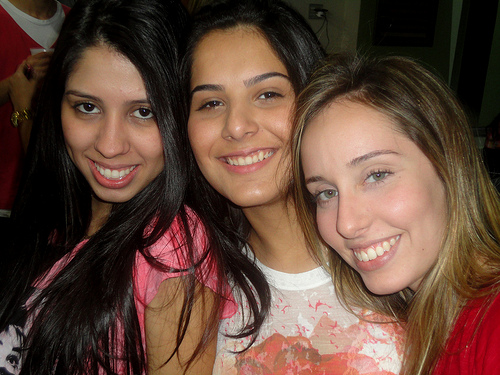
<point>110,132</point>
<point>380,203</point>
<point>239,120</point>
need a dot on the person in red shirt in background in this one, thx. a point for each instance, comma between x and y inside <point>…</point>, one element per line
<point>28,31</point>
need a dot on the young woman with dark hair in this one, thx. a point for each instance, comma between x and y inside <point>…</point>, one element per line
<point>386,163</point>
<point>246,62</point>
<point>116,275</point>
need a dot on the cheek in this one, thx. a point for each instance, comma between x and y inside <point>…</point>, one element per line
<point>327,227</point>
<point>282,124</point>
<point>152,149</point>
<point>201,139</point>
<point>194,135</point>
<point>73,138</point>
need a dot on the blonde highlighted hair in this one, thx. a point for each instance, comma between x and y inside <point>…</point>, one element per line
<point>427,112</point>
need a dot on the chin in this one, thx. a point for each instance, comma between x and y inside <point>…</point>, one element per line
<point>382,289</point>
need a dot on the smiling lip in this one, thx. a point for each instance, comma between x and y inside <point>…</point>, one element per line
<point>376,250</point>
<point>248,159</point>
<point>113,178</point>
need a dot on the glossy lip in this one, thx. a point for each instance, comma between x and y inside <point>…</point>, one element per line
<point>378,262</point>
<point>113,183</point>
<point>243,169</point>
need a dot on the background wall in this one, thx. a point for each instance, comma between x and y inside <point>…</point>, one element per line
<point>491,99</point>
<point>340,31</point>
<point>465,51</point>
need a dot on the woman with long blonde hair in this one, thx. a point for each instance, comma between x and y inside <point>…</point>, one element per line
<point>386,164</point>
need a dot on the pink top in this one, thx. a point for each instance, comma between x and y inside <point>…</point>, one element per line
<point>168,251</point>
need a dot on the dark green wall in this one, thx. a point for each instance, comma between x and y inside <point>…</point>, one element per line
<point>436,57</point>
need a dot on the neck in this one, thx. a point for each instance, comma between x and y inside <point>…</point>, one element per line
<point>41,9</point>
<point>277,239</point>
<point>100,213</point>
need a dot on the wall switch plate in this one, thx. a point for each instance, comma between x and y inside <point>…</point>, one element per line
<point>313,12</point>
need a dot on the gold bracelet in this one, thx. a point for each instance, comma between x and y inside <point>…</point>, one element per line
<point>17,117</point>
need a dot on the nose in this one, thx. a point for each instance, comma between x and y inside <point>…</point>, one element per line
<point>113,138</point>
<point>353,215</point>
<point>239,123</point>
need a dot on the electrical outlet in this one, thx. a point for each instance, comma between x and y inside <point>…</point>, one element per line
<point>313,11</point>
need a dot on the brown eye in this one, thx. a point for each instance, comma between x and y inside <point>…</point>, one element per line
<point>270,95</point>
<point>210,105</point>
<point>87,108</point>
<point>143,113</point>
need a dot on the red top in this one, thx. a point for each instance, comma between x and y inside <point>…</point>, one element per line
<point>474,345</point>
<point>15,48</point>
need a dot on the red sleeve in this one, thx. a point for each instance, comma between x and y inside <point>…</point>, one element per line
<point>474,345</point>
<point>66,9</point>
<point>485,348</point>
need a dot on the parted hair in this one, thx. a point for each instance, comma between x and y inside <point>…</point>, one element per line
<point>85,321</point>
<point>426,111</point>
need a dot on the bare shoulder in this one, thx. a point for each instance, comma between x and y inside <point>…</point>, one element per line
<point>162,323</point>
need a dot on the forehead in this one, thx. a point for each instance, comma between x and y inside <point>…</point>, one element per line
<point>348,129</point>
<point>105,68</point>
<point>234,52</point>
<point>345,114</point>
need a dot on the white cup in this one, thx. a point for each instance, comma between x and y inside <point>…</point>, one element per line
<point>34,51</point>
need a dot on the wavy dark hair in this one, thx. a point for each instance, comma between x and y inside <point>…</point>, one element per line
<point>299,50</point>
<point>85,320</point>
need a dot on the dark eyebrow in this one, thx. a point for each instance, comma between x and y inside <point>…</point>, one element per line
<point>356,161</point>
<point>207,88</point>
<point>96,99</point>
<point>262,77</point>
<point>249,82</point>
<point>81,95</point>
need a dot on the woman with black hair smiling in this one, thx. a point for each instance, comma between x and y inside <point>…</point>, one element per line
<point>246,62</point>
<point>117,275</point>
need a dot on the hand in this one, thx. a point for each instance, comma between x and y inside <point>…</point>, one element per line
<point>37,65</point>
<point>21,89</point>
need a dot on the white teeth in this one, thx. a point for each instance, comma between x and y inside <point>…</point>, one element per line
<point>372,253</point>
<point>249,160</point>
<point>113,174</point>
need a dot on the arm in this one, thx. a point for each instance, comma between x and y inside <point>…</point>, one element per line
<point>161,322</point>
<point>21,89</point>
<point>4,91</point>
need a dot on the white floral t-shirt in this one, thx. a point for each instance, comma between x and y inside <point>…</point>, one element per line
<point>309,332</point>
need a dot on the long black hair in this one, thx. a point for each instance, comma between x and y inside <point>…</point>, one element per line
<point>299,50</point>
<point>85,320</point>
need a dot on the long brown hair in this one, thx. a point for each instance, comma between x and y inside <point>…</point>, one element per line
<point>427,112</point>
